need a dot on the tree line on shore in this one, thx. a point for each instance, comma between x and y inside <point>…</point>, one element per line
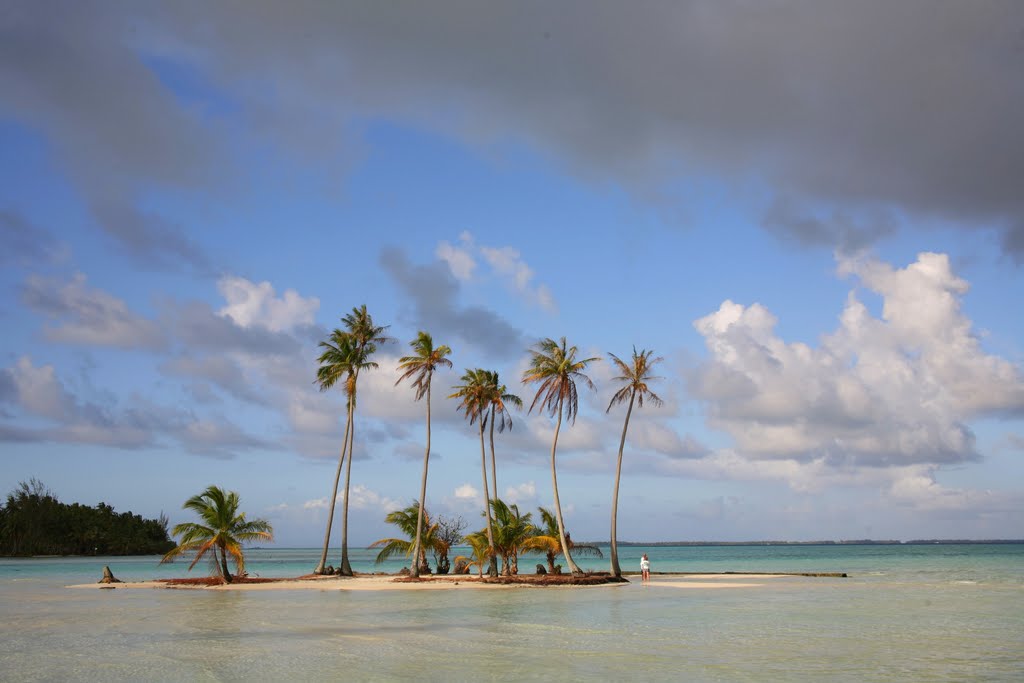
<point>555,369</point>
<point>34,522</point>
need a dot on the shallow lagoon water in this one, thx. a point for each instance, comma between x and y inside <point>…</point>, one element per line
<point>905,612</point>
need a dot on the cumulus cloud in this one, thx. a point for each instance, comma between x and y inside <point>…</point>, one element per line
<point>363,498</point>
<point>250,304</point>
<point>894,390</point>
<point>85,315</point>
<point>467,492</point>
<point>521,493</point>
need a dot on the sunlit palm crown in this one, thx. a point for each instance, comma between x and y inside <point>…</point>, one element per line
<point>474,394</point>
<point>554,366</point>
<point>500,400</point>
<point>421,365</point>
<point>340,360</point>
<point>634,377</point>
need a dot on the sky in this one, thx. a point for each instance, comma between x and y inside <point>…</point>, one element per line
<point>812,212</point>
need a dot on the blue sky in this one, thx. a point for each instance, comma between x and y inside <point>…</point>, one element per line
<point>811,211</point>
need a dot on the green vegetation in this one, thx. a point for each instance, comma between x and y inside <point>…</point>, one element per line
<point>34,522</point>
<point>222,532</point>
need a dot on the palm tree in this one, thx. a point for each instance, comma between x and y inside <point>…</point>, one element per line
<point>634,377</point>
<point>481,552</point>
<point>500,400</point>
<point>554,366</point>
<point>223,530</point>
<point>365,336</point>
<point>475,394</point>
<point>549,542</point>
<point>415,522</point>
<point>340,361</point>
<point>420,366</point>
<point>511,531</point>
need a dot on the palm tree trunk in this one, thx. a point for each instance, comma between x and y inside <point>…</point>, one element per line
<point>494,470</point>
<point>416,549</point>
<point>492,567</point>
<point>558,506</point>
<point>334,497</point>
<point>616,571</point>
<point>345,569</point>
<point>224,571</point>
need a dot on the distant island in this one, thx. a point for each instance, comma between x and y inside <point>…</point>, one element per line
<point>33,522</point>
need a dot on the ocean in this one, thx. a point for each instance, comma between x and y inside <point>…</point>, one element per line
<point>905,612</point>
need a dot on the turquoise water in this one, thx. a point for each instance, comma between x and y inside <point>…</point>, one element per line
<point>946,612</point>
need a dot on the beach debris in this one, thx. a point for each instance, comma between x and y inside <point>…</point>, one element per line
<point>541,569</point>
<point>108,576</point>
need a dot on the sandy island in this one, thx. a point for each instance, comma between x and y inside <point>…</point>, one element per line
<point>378,582</point>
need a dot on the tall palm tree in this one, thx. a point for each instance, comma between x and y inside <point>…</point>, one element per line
<point>222,530</point>
<point>340,362</point>
<point>365,336</point>
<point>500,401</point>
<point>420,366</point>
<point>548,541</point>
<point>475,396</point>
<point>554,366</point>
<point>414,521</point>
<point>633,377</point>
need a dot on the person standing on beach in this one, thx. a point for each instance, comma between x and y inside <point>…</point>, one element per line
<point>645,569</point>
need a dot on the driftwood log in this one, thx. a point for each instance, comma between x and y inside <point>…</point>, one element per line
<point>108,576</point>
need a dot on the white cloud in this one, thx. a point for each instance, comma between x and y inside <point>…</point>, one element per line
<point>890,391</point>
<point>506,262</point>
<point>467,492</point>
<point>459,258</point>
<point>523,493</point>
<point>250,304</point>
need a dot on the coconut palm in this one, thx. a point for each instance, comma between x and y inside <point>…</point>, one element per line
<point>365,336</point>
<point>481,552</point>
<point>548,541</point>
<point>633,376</point>
<point>500,401</point>
<point>511,531</point>
<point>554,366</point>
<point>340,361</point>
<point>420,367</point>
<point>222,531</point>
<point>412,520</point>
<point>475,395</point>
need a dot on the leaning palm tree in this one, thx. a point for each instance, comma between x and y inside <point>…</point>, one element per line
<point>340,361</point>
<point>553,365</point>
<point>365,336</point>
<point>420,366</point>
<point>223,530</point>
<point>633,377</point>
<point>500,401</point>
<point>548,541</point>
<point>475,397</point>
<point>414,521</point>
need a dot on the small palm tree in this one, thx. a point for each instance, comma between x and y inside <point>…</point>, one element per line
<point>633,377</point>
<point>409,520</point>
<point>421,365</point>
<point>222,531</point>
<point>554,366</point>
<point>500,401</point>
<point>511,531</point>
<point>548,541</point>
<point>475,396</point>
<point>481,552</point>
